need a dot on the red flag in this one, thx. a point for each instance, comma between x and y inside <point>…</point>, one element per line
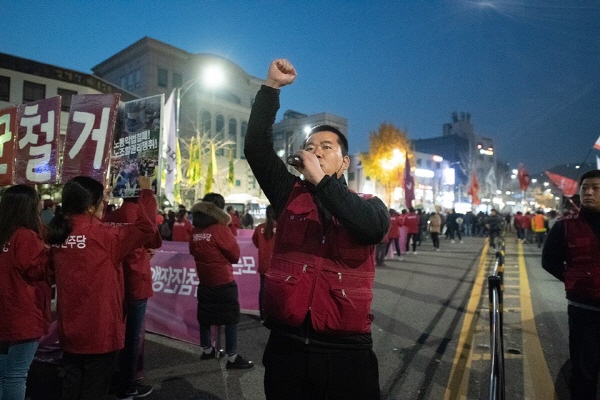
<point>409,185</point>
<point>474,190</point>
<point>567,185</point>
<point>597,144</point>
<point>524,178</point>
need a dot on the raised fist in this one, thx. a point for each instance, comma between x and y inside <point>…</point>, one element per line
<point>281,73</point>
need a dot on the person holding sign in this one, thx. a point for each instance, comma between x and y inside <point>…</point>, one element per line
<point>88,257</point>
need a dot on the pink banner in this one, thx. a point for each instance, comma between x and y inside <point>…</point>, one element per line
<point>89,136</point>
<point>8,133</point>
<point>37,142</point>
<point>172,309</point>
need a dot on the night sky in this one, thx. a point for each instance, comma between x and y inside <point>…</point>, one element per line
<point>527,71</point>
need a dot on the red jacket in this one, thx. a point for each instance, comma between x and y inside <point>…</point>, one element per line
<point>182,230</point>
<point>582,275</point>
<point>136,266</point>
<point>395,223</point>
<point>235,223</point>
<point>25,290</point>
<point>214,249</point>
<point>411,221</point>
<point>89,279</point>
<point>264,246</point>
<point>519,221</point>
<point>324,270</point>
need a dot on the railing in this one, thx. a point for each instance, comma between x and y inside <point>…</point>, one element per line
<point>496,289</point>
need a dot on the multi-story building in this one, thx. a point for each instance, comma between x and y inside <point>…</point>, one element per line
<point>215,98</point>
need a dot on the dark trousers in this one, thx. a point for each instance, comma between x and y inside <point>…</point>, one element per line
<point>261,295</point>
<point>87,376</point>
<point>435,238</point>
<point>295,371</point>
<point>380,253</point>
<point>396,242</point>
<point>414,238</point>
<point>134,338</point>
<point>584,347</point>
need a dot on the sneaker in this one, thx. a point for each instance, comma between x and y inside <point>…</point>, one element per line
<point>461,241</point>
<point>415,252</point>
<point>139,391</point>
<point>452,241</point>
<point>400,258</point>
<point>437,249</point>
<point>239,363</point>
<point>208,356</point>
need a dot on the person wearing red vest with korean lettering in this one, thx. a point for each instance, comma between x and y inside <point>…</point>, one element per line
<point>138,289</point>
<point>572,254</point>
<point>214,249</point>
<point>24,287</point>
<point>319,285</point>
<point>411,221</point>
<point>264,240</point>
<point>87,256</point>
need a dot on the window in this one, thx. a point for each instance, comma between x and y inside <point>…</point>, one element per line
<point>4,88</point>
<point>131,81</point>
<point>243,136</point>
<point>33,91</point>
<point>66,95</point>
<point>177,80</point>
<point>220,129</point>
<point>233,135</point>
<point>163,77</point>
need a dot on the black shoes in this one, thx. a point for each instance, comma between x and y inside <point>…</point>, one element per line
<point>208,356</point>
<point>239,363</point>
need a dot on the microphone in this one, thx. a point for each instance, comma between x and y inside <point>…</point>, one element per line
<point>294,160</point>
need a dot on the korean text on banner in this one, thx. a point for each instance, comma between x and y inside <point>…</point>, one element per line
<point>89,136</point>
<point>135,149</point>
<point>38,125</point>
<point>8,133</point>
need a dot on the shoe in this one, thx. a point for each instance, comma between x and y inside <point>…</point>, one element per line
<point>461,241</point>
<point>208,356</point>
<point>437,249</point>
<point>139,391</point>
<point>400,258</point>
<point>239,363</point>
<point>452,241</point>
<point>415,252</point>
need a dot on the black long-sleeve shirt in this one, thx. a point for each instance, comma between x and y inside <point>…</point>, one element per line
<point>367,219</point>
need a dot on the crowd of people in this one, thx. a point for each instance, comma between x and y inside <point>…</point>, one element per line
<point>317,252</point>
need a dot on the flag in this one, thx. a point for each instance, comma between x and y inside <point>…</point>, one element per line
<point>231,176</point>
<point>597,144</point>
<point>524,178</point>
<point>212,169</point>
<point>169,147</point>
<point>409,185</point>
<point>567,185</point>
<point>474,190</point>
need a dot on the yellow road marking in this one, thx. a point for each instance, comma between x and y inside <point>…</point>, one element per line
<point>537,379</point>
<point>458,384</point>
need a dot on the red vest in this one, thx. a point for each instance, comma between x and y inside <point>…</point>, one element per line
<point>582,276</point>
<point>324,270</point>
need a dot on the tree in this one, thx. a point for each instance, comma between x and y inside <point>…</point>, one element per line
<point>385,161</point>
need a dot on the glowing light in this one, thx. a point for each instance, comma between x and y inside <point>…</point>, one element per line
<point>424,173</point>
<point>213,76</point>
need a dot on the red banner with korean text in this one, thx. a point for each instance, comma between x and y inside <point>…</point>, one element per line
<point>8,133</point>
<point>89,136</point>
<point>38,125</point>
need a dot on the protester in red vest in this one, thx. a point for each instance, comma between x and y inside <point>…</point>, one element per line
<point>214,249</point>
<point>25,287</point>
<point>411,221</point>
<point>319,284</point>
<point>87,257</point>
<point>264,239</point>
<point>182,227</point>
<point>393,235</point>
<point>138,288</point>
<point>572,254</point>
<point>235,220</point>
<point>519,223</point>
